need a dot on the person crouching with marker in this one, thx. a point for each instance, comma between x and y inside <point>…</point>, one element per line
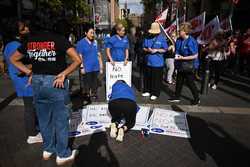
<point>122,105</point>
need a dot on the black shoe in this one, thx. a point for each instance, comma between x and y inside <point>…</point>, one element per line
<point>174,100</point>
<point>196,102</point>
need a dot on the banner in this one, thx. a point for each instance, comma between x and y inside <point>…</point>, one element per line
<point>117,72</point>
<point>209,31</point>
<point>142,118</point>
<point>168,122</point>
<point>162,17</point>
<point>198,23</point>
<point>172,29</point>
<point>226,24</point>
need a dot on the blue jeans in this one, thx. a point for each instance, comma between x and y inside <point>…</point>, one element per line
<point>53,114</point>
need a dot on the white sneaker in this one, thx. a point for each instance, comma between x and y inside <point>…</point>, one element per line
<point>120,135</point>
<point>46,155</point>
<point>113,130</point>
<point>146,94</point>
<point>214,87</point>
<point>153,97</point>
<point>35,139</point>
<point>62,161</point>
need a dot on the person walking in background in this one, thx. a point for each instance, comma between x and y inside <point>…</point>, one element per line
<point>217,54</point>
<point>20,82</point>
<point>186,52</point>
<point>118,46</point>
<point>92,63</point>
<point>154,46</point>
<point>47,51</point>
<point>122,105</point>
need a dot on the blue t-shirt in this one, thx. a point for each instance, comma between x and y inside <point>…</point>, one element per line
<point>118,47</point>
<point>187,47</point>
<point>121,90</point>
<point>89,51</point>
<point>158,42</point>
<point>20,83</point>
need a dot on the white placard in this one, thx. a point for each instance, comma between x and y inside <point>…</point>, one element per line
<point>99,113</point>
<point>168,122</point>
<point>79,127</point>
<point>117,72</point>
<point>142,118</point>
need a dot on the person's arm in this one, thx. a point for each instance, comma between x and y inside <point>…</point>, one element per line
<point>191,57</point>
<point>15,60</point>
<point>100,62</point>
<point>126,57</point>
<point>109,56</point>
<point>59,79</point>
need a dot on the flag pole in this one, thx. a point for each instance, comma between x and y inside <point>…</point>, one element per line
<point>171,40</point>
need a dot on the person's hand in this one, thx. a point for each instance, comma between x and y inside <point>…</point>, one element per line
<point>59,81</point>
<point>125,62</point>
<point>29,81</point>
<point>112,62</point>
<point>179,58</point>
<point>171,48</point>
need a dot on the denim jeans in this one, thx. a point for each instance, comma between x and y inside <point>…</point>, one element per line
<point>53,114</point>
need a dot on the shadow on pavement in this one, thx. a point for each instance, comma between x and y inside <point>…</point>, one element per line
<point>97,153</point>
<point>210,139</point>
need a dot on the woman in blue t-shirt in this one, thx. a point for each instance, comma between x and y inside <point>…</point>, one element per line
<point>185,54</point>
<point>91,62</point>
<point>154,46</point>
<point>122,105</point>
<point>117,46</point>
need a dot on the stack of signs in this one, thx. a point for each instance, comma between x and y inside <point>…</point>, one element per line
<point>142,118</point>
<point>99,113</point>
<point>78,126</point>
<point>168,122</point>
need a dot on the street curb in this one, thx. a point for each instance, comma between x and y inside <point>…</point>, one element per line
<point>7,101</point>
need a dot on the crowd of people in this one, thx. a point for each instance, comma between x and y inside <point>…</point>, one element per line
<point>36,60</point>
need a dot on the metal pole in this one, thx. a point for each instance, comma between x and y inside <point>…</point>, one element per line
<point>93,12</point>
<point>205,81</point>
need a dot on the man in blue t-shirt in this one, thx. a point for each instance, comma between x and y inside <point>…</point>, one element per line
<point>154,46</point>
<point>185,54</point>
<point>117,46</point>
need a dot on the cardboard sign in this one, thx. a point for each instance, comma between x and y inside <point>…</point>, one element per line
<point>117,72</point>
<point>168,122</point>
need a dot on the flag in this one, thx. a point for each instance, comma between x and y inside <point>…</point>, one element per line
<point>172,29</point>
<point>226,24</point>
<point>198,23</point>
<point>162,17</point>
<point>209,31</point>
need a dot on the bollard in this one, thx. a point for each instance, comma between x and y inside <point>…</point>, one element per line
<point>204,86</point>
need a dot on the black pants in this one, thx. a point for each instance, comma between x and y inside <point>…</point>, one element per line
<point>90,82</point>
<point>188,77</point>
<point>216,68</point>
<point>30,118</point>
<point>153,80</point>
<point>123,108</point>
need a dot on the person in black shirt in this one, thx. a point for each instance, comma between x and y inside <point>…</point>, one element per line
<point>47,51</point>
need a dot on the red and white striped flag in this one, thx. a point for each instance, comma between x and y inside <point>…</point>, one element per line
<point>162,17</point>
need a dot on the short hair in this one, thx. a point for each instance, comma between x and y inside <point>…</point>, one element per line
<point>186,27</point>
<point>119,26</point>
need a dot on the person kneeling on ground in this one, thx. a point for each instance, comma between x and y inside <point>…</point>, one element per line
<point>122,105</point>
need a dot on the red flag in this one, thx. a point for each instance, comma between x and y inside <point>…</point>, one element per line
<point>162,17</point>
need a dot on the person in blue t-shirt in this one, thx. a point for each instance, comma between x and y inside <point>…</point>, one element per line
<point>154,46</point>
<point>92,63</point>
<point>22,88</point>
<point>122,105</point>
<point>185,54</point>
<point>117,48</point>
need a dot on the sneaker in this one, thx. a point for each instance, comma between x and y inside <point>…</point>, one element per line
<point>214,87</point>
<point>146,94</point>
<point>153,97</point>
<point>63,161</point>
<point>120,135</point>
<point>35,139</point>
<point>113,130</point>
<point>46,155</point>
<point>174,100</point>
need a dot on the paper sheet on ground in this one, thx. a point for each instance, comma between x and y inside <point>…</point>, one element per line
<point>168,122</point>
